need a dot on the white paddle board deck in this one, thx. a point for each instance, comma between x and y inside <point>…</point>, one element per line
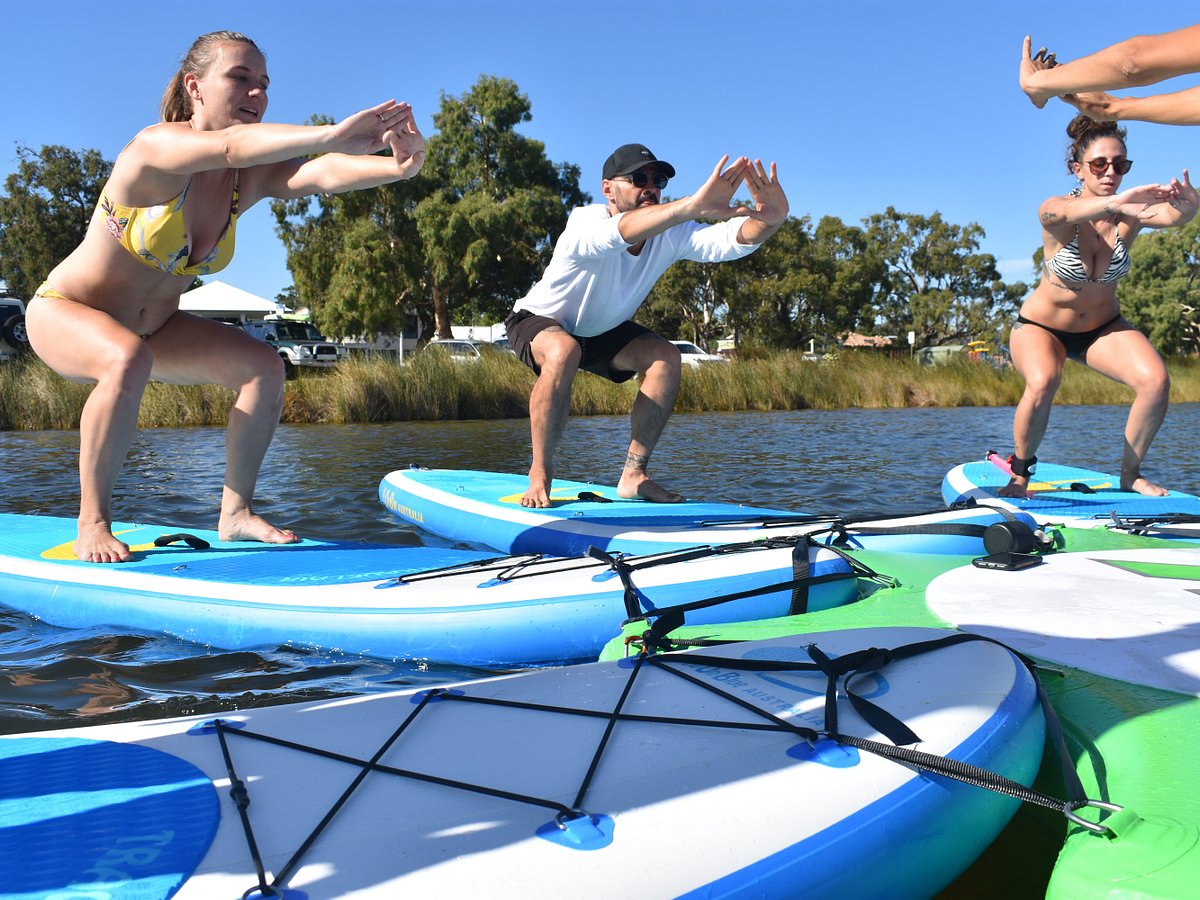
<point>484,508</point>
<point>448,606</point>
<point>1057,493</point>
<point>1129,615</point>
<point>712,780</point>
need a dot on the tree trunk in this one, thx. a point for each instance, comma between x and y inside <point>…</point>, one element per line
<point>441,314</point>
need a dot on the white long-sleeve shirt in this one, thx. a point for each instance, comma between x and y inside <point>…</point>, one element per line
<point>593,283</point>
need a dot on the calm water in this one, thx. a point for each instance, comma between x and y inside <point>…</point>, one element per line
<point>322,480</point>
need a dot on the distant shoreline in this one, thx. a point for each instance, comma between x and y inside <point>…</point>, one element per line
<point>424,388</point>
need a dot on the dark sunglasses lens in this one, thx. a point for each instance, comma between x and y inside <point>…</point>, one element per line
<point>641,179</point>
<point>1122,165</point>
<point>1098,166</point>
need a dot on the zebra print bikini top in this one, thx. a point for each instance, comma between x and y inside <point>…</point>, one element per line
<point>1067,264</point>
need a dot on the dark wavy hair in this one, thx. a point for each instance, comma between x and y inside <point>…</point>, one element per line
<point>176,104</point>
<point>1083,132</point>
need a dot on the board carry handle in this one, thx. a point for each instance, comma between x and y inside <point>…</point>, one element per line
<point>196,543</point>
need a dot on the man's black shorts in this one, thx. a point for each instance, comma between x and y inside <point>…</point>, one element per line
<point>523,326</point>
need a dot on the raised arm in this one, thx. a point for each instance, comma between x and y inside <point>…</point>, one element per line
<point>711,201</point>
<point>175,148</point>
<point>334,173</point>
<point>1060,212</point>
<point>1145,59</point>
<point>1179,108</point>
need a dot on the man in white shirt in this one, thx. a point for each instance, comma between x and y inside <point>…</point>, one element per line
<point>604,264</point>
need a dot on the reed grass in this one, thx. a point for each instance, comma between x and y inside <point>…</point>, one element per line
<point>433,387</point>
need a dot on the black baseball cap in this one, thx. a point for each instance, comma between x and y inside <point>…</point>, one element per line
<point>631,157</point>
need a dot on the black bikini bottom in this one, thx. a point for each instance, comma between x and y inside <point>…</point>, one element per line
<point>1076,343</point>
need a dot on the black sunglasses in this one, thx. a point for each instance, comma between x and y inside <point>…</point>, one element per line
<point>641,179</point>
<point>1100,165</point>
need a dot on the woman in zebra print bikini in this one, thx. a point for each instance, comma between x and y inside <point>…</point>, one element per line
<point>1073,312</point>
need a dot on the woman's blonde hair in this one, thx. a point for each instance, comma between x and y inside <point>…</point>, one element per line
<point>176,104</point>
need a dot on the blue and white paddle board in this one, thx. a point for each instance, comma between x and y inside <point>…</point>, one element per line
<point>442,605</point>
<point>684,775</point>
<point>484,508</point>
<point>1063,494</point>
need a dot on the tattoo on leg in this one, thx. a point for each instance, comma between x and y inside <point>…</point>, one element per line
<point>636,461</point>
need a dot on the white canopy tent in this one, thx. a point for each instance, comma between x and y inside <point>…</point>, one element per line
<point>219,300</point>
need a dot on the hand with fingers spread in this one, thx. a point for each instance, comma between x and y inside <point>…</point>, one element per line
<point>1031,64</point>
<point>770,202</point>
<point>712,199</point>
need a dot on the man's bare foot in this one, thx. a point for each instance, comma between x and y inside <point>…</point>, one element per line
<point>95,543</point>
<point>632,486</point>
<point>538,495</point>
<point>1031,63</point>
<point>1017,488</point>
<point>250,526</point>
<point>1144,486</point>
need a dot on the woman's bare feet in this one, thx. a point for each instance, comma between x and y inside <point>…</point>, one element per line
<point>1144,486</point>
<point>1031,64</point>
<point>248,526</point>
<point>95,543</point>
<point>1017,488</point>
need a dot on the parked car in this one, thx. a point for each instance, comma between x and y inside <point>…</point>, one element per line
<point>13,339</point>
<point>694,356</point>
<point>299,344</point>
<point>458,349</point>
<point>504,344</point>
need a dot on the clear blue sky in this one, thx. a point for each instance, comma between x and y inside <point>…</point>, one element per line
<point>862,103</point>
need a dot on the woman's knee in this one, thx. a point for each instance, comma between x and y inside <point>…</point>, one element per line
<point>127,363</point>
<point>1043,384</point>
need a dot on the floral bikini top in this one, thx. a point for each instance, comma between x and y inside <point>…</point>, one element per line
<point>157,235</point>
<point>1067,264</point>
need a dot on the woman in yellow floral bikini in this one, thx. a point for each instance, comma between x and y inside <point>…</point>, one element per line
<point>109,313</point>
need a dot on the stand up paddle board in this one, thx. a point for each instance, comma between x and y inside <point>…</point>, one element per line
<point>443,605</point>
<point>484,508</point>
<point>1067,494</point>
<point>729,773</point>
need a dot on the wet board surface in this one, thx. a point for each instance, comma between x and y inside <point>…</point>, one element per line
<point>443,605</point>
<point>484,509</point>
<point>1058,492</point>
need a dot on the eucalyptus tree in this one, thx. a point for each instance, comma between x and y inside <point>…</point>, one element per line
<point>937,283</point>
<point>1161,294</point>
<point>463,239</point>
<point>45,210</point>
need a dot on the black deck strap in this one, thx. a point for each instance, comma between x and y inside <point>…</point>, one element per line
<point>241,800</point>
<point>497,563</point>
<point>667,619</point>
<point>1151,526</point>
<point>196,543</point>
<point>801,569</point>
<point>593,497</point>
<point>863,661</point>
<point>633,606</point>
